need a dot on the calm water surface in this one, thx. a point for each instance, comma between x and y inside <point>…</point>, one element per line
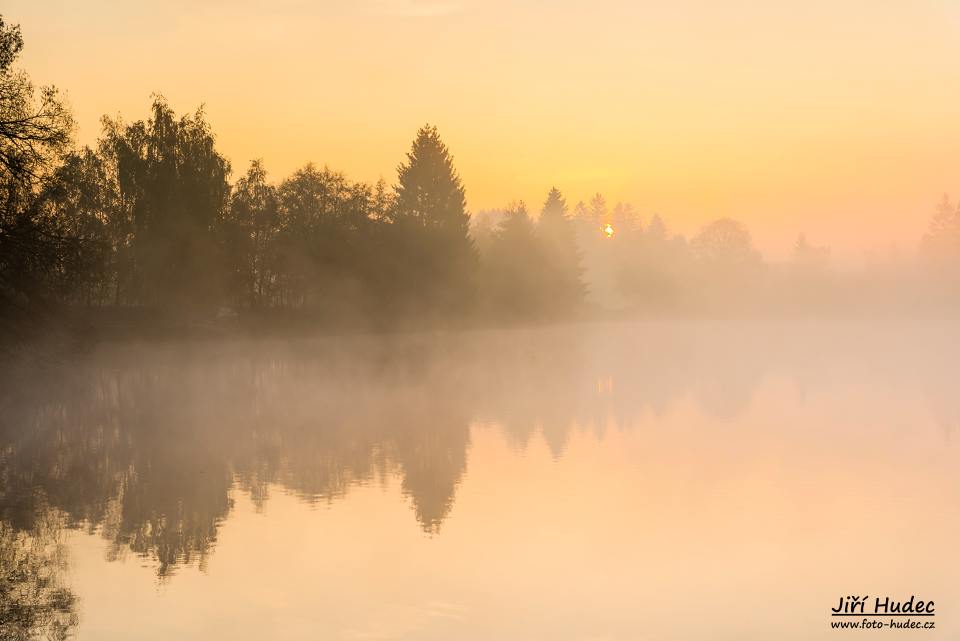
<point>633,481</point>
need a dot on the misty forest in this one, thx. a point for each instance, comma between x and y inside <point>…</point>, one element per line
<point>151,229</point>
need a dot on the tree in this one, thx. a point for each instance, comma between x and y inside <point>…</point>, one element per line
<point>728,264</point>
<point>809,257</point>
<point>76,204</point>
<point>174,191</point>
<point>656,230</point>
<point>516,230</point>
<point>940,251</point>
<point>655,268</point>
<point>435,254</point>
<point>324,221</point>
<point>580,211</point>
<point>249,235</point>
<point>941,243</point>
<point>564,277</point>
<point>483,228</point>
<point>382,202</point>
<point>624,219</point>
<point>35,129</point>
<point>805,280</point>
<point>602,250</point>
<point>598,209</point>
<point>554,225</point>
<point>429,190</point>
<point>725,244</point>
<point>515,267</point>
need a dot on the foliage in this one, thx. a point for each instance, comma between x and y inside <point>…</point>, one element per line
<point>172,190</point>
<point>435,259</point>
<point>35,129</point>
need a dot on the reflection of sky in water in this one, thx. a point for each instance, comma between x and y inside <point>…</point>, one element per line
<point>554,484</point>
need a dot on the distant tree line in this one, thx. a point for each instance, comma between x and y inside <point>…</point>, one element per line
<point>149,220</point>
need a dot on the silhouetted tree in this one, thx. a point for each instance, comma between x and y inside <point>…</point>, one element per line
<point>324,221</point>
<point>435,253</point>
<point>655,276</point>
<point>382,202</point>
<point>35,129</point>
<point>624,220</point>
<point>483,226</point>
<point>249,234</point>
<point>515,267</point>
<point>941,243</point>
<point>940,254</point>
<point>173,189</point>
<point>564,272</point>
<point>76,206</point>
<point>598,210</point>
<point>602,252</point>
<point>724,243</point>
<point>727,264</point>
<point>805,280</point>
<point>656,230</point>
<point>809,256</point>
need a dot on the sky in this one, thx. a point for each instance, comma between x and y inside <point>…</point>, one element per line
<point>837,119</point>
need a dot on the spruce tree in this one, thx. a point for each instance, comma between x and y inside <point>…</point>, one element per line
<point>429,192</point>
<point>564,279</point>
<point>516,268</point>
<point>437,262</point>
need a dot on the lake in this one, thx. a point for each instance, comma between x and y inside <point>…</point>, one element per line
<point>609,481</point>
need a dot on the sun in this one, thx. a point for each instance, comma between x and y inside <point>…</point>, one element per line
<point>608,230</point>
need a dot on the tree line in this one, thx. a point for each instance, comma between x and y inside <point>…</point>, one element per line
<point>148,219</point>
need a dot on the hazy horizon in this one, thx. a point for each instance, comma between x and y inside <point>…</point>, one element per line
<point>809,120</point>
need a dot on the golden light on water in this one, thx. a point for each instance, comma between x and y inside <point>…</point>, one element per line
<point>608,230</point>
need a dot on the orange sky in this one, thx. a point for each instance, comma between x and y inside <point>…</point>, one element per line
<point>837,118</point>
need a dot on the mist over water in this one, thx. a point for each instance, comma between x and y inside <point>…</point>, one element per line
<point>576,482</point>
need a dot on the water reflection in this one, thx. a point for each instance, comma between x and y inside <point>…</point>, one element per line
<point>34,604</point>
<point>144,445</point>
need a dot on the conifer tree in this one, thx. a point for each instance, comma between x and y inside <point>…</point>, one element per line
<point>429,192</point>
<point>564,278</point>
<point>435,252</point>
<point>516,267</point>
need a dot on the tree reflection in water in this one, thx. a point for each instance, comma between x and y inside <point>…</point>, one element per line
<point>33,602</point>
<point>145,445</point>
